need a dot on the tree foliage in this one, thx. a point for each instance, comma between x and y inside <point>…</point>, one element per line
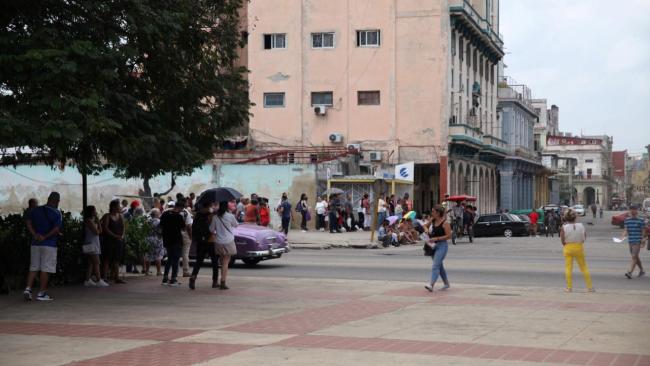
<point>146,86</point>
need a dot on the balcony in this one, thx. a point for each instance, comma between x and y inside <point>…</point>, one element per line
<point>463,7</point>
<point>495,143</point>
<point>465,135</point>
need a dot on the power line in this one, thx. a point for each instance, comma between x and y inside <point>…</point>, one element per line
<point>59,184</point>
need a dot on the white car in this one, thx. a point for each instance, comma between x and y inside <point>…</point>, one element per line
<point>579,209</point>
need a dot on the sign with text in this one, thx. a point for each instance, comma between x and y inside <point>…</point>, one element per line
<point>405,171</point>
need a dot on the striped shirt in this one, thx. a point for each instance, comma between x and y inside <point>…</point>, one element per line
<point>634,227</point>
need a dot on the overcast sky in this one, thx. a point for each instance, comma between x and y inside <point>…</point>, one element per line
<point>589,57</point>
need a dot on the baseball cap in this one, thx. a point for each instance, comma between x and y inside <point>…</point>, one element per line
<point>634,207</point>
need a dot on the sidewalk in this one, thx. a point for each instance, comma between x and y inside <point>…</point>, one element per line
<point>325,322</point>
<point>325,240</point>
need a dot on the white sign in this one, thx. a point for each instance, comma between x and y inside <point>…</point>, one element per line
<point>405,171</point>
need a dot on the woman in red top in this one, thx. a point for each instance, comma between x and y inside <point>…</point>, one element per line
<point>265,213</point>
<point>252,213</point>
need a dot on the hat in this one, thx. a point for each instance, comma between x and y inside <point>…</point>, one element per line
<point>135,204</point>
<point>171,204</point>
<point>54,196</point>
<point>634,206</point>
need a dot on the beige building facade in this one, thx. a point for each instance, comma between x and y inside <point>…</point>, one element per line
<point>383,77</point>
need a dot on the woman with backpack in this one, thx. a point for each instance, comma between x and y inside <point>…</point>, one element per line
<point>222,226</point>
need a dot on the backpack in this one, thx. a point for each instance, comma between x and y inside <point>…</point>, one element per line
<point>201,227</point>
<point>299,206</point>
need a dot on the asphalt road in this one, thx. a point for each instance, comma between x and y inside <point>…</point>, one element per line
<point>522,261</point>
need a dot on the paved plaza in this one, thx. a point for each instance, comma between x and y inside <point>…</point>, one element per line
<point>281,314</point>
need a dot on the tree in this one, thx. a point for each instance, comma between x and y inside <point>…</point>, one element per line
<point>145,86</point>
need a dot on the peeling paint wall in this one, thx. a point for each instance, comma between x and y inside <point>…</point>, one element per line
<point>18,185</point>
<point>270,181</point>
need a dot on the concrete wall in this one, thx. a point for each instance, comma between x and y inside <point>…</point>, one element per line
<point>18,185</point>
<point>270,181</point>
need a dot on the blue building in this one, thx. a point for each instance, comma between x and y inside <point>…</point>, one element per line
<point>521,170</point>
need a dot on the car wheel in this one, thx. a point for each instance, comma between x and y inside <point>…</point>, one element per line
<point>507,233</point>
<point>251,261</point>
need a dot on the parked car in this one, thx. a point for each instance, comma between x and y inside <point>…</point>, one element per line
<point>579,209</point>
<point>256,243</point>
<point>496,224</point>
<point>617,220</point>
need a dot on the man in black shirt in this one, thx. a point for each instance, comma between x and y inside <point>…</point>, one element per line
<point>172,224</point>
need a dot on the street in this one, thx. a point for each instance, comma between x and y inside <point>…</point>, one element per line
<point>519,261</point>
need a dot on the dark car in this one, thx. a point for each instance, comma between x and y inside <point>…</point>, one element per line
<point>256,243</point>
<point>500,225</point>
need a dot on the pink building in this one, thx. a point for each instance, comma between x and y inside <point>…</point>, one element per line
<point>403,80</point>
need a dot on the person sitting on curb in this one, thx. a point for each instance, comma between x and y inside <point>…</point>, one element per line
<point>386,235</point>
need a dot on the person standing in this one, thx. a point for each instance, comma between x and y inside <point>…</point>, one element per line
<point>534,217</point>
<point>594,208</point>
<point>173,224</point>
<point>205,244</point>
<point>408,203</point>
<point>439,234</point>
<point>251,212</point>
<point>265,213</point>
<point>365,206</point>
<point>303,208</point>
<point>335,208</point>
<point>321,208</point>
<point>284,210</point>
<point>222,226</point>
<point>349,214</point>
<point>636,234</point>
<point>113,247</point>
<point>573,236</point>
<point>156,247</point>
<point>44,224</point>
<point>91,247</point>
<point>187,237</point>
<point>381,211</point>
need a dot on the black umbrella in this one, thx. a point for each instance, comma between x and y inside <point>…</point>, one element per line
<point>216,195</point>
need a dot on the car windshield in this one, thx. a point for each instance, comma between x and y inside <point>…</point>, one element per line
<point>514,218</point>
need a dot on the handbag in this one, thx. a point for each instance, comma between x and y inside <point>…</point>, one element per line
<point>88,249</point>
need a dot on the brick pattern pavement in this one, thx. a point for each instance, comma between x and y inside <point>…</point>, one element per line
<point>450,298</point>
<point>468,350</point>
<point>95,331</point>
<point>164,354</point>
<point>311,320</point>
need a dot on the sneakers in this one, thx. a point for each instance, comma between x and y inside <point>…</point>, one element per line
<point>186,274</point>
<point>223,286</point>
<point>174,283</point>
<point>90,283</point>
<point>43,296</point>
<point>641,274</point>
<point>628,275</point>
<point>429,287</point>
<point>192,283</point>
<point>101,283</point>
<point>165,282</point>
<point>27,294</point>
<point>445,287</point>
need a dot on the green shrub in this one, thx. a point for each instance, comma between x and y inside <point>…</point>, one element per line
<point>135,237</point>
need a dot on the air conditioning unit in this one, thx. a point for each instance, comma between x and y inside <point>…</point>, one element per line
<point>374,156</point>
<point>320,110</point>
<point>336,138</point>
<point>354,147</point>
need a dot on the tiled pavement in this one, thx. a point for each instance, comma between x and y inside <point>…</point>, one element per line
<point>283,321</point>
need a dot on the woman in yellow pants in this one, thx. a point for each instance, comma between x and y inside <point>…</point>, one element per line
<point>573,236</point>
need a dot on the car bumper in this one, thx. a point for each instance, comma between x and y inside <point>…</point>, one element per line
<point>270,253</point>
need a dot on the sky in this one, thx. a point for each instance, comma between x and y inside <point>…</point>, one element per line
<point>591,58</point>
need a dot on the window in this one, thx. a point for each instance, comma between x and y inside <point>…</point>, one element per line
<point>322,98</point>
<point>368,97</point>
<point>368,38</point>
<point>275,40</point>
<point>589,160</point>
<point>273,100</point>
<point>322,40</point>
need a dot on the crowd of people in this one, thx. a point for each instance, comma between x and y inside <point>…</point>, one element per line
<point>176,224</point>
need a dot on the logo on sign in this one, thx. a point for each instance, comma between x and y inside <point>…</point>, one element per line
<point>403,172</point>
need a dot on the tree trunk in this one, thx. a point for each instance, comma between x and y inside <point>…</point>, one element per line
<point>148,200</point>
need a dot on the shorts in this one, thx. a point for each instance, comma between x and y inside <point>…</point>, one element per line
<point>229,249</point>
<point>113,250</point>
<point>42,259</point>
<point>635,249</point>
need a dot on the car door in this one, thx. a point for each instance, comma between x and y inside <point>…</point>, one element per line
<point>484,225</point>
<point>505,222</point>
